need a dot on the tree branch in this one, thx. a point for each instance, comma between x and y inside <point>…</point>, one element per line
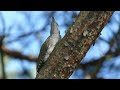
<point>2,58</point>
<point>16,54</point>
<point>98,63</point>
<point>74,45</point>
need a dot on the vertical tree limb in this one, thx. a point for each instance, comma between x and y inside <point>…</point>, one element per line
<point>2,59</point>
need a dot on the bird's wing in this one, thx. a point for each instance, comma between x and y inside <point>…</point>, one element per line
<point>43,50</point>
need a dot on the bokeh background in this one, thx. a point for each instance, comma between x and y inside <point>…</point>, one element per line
<point>23,32</point>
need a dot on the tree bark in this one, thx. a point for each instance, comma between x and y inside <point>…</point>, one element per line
<point>74,45</point>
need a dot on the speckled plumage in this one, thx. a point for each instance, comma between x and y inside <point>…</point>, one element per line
<point>48,45</point>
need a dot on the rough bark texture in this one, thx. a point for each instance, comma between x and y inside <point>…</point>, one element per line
<point>73,47</point>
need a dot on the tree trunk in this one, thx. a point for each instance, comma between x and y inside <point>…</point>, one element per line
<point>74,45</point>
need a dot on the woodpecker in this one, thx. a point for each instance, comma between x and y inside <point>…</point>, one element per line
<point>48,45</point>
